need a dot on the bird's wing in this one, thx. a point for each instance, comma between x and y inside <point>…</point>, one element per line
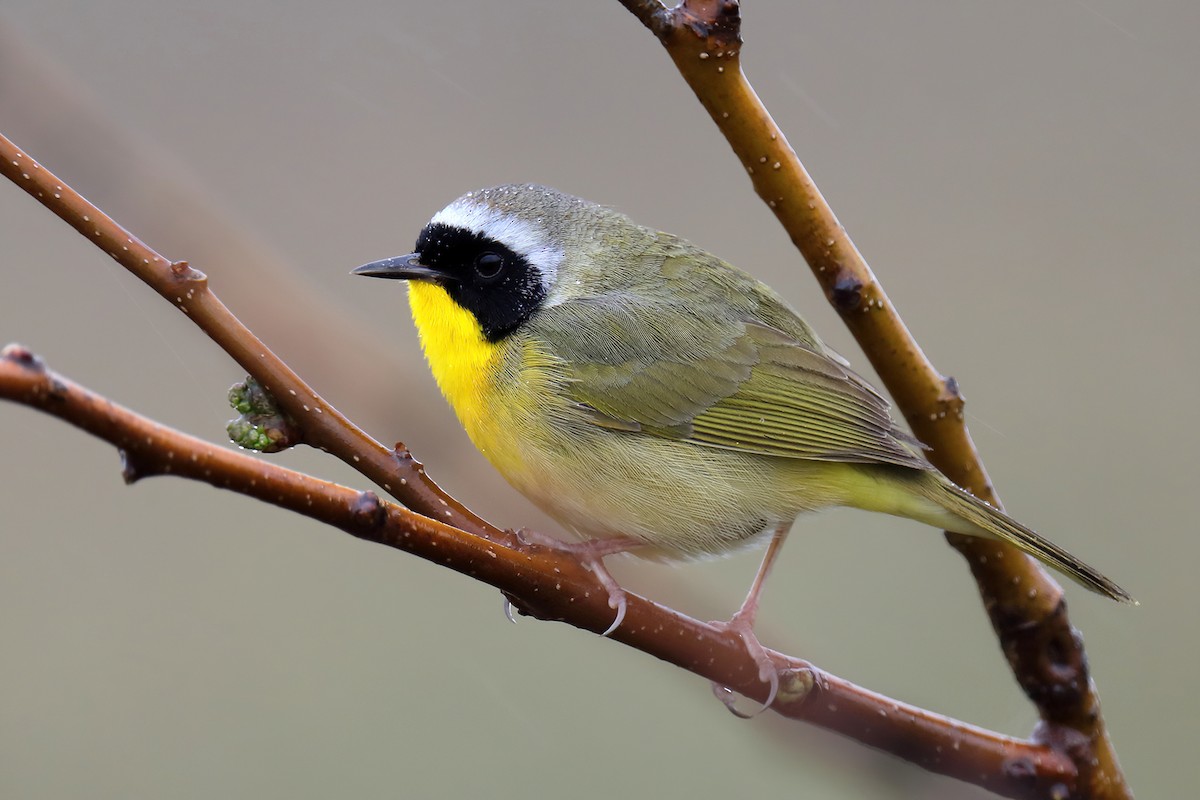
<point>673,369</point>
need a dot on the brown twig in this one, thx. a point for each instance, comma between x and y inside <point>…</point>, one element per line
<point>1025,605</point>
<point>549,585</point>
<point>323,426</point>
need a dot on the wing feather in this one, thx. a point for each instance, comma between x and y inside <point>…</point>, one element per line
<point>722,363</point>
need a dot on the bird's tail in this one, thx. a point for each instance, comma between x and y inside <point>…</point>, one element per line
<point>955,509</point>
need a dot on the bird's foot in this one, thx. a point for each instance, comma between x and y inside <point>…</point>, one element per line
<point>742,624</point>
<point>591,555</point>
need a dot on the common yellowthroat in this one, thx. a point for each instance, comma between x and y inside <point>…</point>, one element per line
<point>650,396</point>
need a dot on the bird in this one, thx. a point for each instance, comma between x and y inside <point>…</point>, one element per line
<point>654,399</point>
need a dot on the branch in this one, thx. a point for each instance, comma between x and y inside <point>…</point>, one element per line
<point>1026,607</point>
<point>322,425</point>
<point>548,584</point>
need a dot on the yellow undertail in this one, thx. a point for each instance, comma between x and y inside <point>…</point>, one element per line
<point>931,498</point>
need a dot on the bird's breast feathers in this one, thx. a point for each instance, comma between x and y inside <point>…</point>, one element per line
<point>504,393</point>
<point>462,360</point>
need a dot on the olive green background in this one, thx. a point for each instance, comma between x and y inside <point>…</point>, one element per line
<point>1023,177</point>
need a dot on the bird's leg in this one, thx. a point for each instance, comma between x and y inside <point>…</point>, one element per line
<point>590,553</point>
<point>742,623</point>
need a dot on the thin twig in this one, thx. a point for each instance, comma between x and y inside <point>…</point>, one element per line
<point>549,585</point>
<point>187,289</point>
<point>1025,605</point>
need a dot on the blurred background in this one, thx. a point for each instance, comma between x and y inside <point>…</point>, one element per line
<point>1023,178</point>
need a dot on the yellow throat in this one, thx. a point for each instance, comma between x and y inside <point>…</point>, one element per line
<point>459,356</point>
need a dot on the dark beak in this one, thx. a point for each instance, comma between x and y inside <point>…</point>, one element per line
<point>405,268</point>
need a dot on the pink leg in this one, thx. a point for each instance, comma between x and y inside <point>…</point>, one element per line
<point>742,623</point>
<point>591,554</point>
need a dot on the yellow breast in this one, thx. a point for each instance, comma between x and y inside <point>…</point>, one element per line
<point>505,399</point>
<point>462,361</point>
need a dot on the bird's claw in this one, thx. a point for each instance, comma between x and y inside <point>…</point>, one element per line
<point>591,555</point>
<point>768,673</point>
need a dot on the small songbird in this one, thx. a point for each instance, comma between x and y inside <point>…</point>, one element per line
<point>655,399</point>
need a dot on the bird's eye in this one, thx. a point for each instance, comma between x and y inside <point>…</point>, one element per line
<point>488,264</point>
